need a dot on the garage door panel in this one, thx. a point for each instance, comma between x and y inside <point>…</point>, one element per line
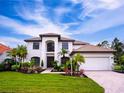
<point>96,63</point>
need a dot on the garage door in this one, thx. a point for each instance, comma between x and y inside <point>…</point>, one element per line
<point>96,63</point>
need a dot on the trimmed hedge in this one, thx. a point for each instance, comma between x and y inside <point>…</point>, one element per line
<point>1,67</point>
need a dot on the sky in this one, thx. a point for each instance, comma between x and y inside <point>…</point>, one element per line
<point>91,21</point>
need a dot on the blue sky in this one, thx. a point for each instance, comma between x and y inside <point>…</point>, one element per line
<point>87,20</point>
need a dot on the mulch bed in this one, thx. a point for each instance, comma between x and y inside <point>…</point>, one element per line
<point>75,75</point>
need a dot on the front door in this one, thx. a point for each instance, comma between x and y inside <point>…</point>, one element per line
<point>50,60</point>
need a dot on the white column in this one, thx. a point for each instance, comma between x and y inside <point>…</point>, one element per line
<point>43,55</point>
<point>56,50</point>
<point>111,60</point>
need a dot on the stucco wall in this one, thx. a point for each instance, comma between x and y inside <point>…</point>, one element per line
<point>42,53</point>
<point>33,52</point>
<point>3,56</point>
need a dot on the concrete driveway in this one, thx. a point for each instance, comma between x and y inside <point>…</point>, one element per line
<point>112,82</point>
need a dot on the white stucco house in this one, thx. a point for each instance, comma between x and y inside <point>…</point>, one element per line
<point>47,46</point>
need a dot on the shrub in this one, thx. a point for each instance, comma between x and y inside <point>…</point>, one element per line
<point>55,64</point>
<point>10,61</point>
<point>31,63</point>
<point>121,60</point>
<point>1,67</point>
<point>15,67</point>
<point>119,68</point>
<point>62,67</point>
<point>30,70</point>
<point>25,64</point>
<point>7,66</point>
<point>28,64</point>
<point>57,67</point>
<point>23,69</point>
<point>39,69</point>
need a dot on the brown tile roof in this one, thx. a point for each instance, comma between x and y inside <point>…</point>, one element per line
<point>4,48</point>
<point>66,39</point>
<point>76,42</point>
<point>49,34</point>
<point>92,48</point>
<point>39,39</point>
<point>33,39</point>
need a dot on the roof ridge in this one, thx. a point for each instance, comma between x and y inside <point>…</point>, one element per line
<point>94,46</point>
<point>100,47</point>
<point>4,45</point>
<point>49,34</point>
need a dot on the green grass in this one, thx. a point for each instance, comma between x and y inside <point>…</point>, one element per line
<point>14,82</point>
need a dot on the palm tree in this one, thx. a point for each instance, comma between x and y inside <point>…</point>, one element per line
<point>63,52</point>
<point>104,44</point>
<point>21,52</point>
<point>118,46</point>
<point>77,60</point>
<point>13,53</point>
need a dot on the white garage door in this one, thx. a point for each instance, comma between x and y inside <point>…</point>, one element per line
<point>96,63</point>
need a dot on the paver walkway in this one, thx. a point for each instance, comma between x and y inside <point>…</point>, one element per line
<point>112,82</point>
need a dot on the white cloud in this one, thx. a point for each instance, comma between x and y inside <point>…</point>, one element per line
<point>105,20</point>
<point>104,13</point>
<point>112,4</point>
<point>90,7</point>
<point>61,10</point>
<point>37,14</point>
<point>10,41</point>
<point>43,26</point>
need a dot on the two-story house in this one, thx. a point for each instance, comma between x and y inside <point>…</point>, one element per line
<point>47,46</point>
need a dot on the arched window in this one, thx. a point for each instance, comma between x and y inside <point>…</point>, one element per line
<point>36,60</point>
<point>50,46</point>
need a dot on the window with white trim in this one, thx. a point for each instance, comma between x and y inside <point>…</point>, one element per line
<point>65,45</point>
<point>36,45</point>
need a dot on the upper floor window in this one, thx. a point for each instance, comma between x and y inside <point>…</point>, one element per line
<point>65,45</point>
<point>36,45</point>
<point>50,46</point>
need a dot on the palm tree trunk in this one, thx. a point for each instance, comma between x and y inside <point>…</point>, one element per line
<point>71,68</point>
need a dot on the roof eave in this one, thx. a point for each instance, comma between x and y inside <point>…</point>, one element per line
<point>32,40</point>
<point>66,40</point>
<point>73,52</point>
<point>81,44</point>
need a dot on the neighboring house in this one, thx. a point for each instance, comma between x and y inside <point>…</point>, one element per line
<point>47,46</point>
<point>3,52</point>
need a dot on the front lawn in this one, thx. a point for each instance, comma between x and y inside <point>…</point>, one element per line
<point>14,82</point>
